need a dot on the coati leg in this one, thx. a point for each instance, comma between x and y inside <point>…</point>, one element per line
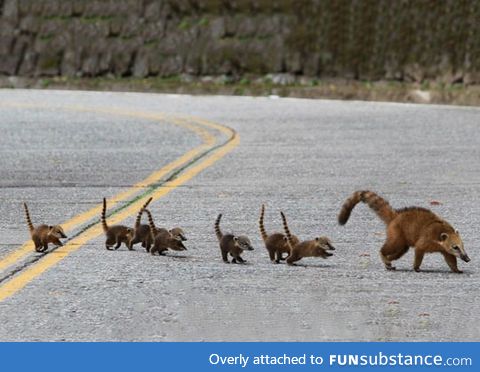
<point>398,254</point>
<point>225,256</point>
<point>57,242</point>
<point>292,258</point>
<point>132,243</point>
<point>393,248</point>
<point>117,245</point>
<point>238,260</point>
<point>38,245</point>
<point>271,253</point>
<point>279,257</point>
<point>418,259</point>
<point>451,261</point>
<point>45,247</point>
<point>390,248</point>
<point>109,242</point>
<point>153,249</point>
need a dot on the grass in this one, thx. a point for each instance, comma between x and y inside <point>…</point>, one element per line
<point>251,85</point>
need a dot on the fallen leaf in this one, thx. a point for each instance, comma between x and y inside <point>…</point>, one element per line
<point>435,202</point>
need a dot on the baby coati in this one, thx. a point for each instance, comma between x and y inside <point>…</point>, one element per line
<point>44,234</point>
<point>232,244</point>
<point>317,247</point>
<point>414,227</point>
<point>141,231</point>
<point>275,243</point>
<point>163,239</point>
<point>117,234</point>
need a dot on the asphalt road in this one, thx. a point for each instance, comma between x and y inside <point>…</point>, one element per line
<point>302,156</point>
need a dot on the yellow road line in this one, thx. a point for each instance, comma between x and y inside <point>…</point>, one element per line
<point>208,141</point>
<point>26,276</point>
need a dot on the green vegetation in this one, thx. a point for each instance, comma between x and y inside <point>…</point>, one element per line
<point>252,85</point>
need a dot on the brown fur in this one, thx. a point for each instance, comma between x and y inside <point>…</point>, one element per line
<point>142,231</point>
<point>42,235</point>
<point>276,243</point>
<point>231,244</point>
<point>162,238</point>
<point>317,247</point>
<point>414,227</point>
<point>117,234</point>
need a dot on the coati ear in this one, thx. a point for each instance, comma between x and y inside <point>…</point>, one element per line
<point>50,227</point>
<point>285,238</point>
<point>317,239</point>
<point>443,237</point>
<point>235,239</point>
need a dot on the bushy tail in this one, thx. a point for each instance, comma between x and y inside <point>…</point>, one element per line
<point>140,212</point>
<point>27,217</point>
<point>153,229</point>
<point>379,205</point>
<point>263,232</point>
<point>103,217</point>
<point>218,232</point>
<point>287,230</point>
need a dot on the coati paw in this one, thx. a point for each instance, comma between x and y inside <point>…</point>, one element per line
<point>458,271</point>
<point>417,269</point>
<point>391,268</point>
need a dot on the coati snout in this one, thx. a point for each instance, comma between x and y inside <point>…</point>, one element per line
<point>176,243</point>
<point>243,242</point>
<point>453,244</point>
<point>57,232</point>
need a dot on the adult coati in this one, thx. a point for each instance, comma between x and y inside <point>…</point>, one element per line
<point>317,247</point>
<point>231,244</point>
<point>414,227</point>
<point>163,239</point>
<point>42,235</point>
<point>276,243</point>
<point>116,234</point>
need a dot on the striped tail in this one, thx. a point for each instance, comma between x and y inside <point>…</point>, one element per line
<point>263,232</point>
<point>140,212</point>
<point>287,230</point>
<point>153,229</point>
<point>103,217</point>
<point>27,217</point>
<point>379,205</point>
<point>218,232</point>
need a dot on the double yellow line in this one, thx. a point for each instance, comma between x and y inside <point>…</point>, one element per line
<point>199,126</point>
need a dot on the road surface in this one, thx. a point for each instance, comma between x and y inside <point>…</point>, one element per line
<point>61,152</point>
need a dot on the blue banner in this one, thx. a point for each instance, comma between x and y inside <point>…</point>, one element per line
<point>133,357</point>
